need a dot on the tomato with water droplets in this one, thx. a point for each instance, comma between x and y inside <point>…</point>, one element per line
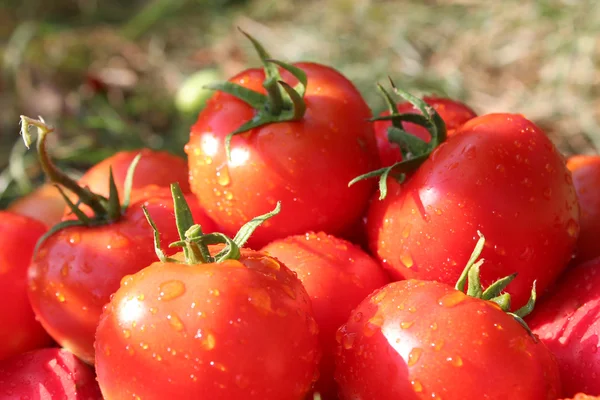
<point>425,340</point>
<point>47,374</point>
<point>19,331</point>
<point>586,178</point>
<point>568,322</point>
<point>306,163</point>
<point>498,174</point>
<point>337,275</point>
<point>236,329</point>
<point>453,112</point>
<point>77,269</point>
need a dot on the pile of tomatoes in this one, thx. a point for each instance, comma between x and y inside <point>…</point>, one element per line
<point>307,250</point>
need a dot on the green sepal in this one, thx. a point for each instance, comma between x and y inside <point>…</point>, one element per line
<point>73,207</point>
<point>497,287</point>
<point>474,289</point>
<point>503,301</point>
<point>114,204</point>
<point>128,184</point>
<point>249,227</point>
<point>462,280</point>
<point>157,247</point>
<point>254,99</point>
<point>298,73</point>
<point>58,227</point>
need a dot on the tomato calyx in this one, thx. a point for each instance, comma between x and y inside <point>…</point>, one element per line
<point>195,243</point>
<point>105,210</point>
<point>281,103</point>
<point>493,293</point>
<point>414,150</point>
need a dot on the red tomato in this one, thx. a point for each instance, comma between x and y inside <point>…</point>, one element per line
<point>454,114</point>
<point>47,374</point>
<point>425,340</point>
<point>154,168</point>
<point>337,276</point>
<point>238,329</point>
<point>568,322</point>
<point>77,269</point>
<point>586,178</point>
<point>305,164</point>
<point>19,331</point>
<point>44,204</point>
<point>498,174</point>
<point>583,396</point>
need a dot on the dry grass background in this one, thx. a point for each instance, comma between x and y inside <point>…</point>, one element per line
<point>538,58</point>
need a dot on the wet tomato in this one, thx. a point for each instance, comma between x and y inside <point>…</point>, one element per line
<point>19,331</point>
<point>499,174</point>
<point>425,340</point>
<point>337,276</point>
<point>236,329</point>
<point>47,374</point>
<point>44,204</point>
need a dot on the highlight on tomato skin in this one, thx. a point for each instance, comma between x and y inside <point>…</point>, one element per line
<point>337,275</point>
<point>499,173</point>
<point>229,330</point>
<point>48,373</point>
<point>586,178</point>
<point>567,321</point>
<point>44,204</point>
<point>19,330</point>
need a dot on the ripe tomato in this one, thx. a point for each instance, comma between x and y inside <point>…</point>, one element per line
<point>306,163</point>
<point>568,322</point>
<point>583,396</point>
<point>454,114</point>
<point>337,276</point>
<point>77,269</point>
<point>425,340</point>
<point>47,374</point>
<point>44,204</point>
<point>498,174</point>
<point>586,178</point>
<point>154,168</point>
<point>237,329</point>
<point>19,331</point>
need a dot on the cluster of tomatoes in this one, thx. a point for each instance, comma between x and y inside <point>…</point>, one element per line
<point>307,250</point>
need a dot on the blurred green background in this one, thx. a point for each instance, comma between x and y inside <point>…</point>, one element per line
<point>106,73</point>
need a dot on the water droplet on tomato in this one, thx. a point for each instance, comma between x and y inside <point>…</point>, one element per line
<point>413,356</point>
<point>64,271</point>
<point>170,290</point>
<point>379,297</point>
<point>358,316</point>
<point>260,299</point>
<point>126,333</point>
<point>455,361</point>
<point>373,325</point>
<point>74,238</point>
<point>228,195</point>
<point>218,366</point>
<point>406,231</point>
<point>406,324</point>
<point>433,326</point>
<point>417,386</point>
<point>223,178</point>
<point>348,340</point>
<point>60,297</point>
<point>451,299</point>
<point>573,228</point>
<point>175,322</point>
<point>406,259</point>
<point>526,254</point>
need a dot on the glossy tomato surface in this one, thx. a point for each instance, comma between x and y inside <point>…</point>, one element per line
<point>425,340</point>
<point>305,164</point>
<point>568,322</point>
<point>586,178</point>
<point>232,330</point>
<point>498,174</point>
<point>47,374</point>
<point>19,331</point>
<point>77,269</point>
<point>337,276</point>
<point>453,112</point>
<point>44,204</point>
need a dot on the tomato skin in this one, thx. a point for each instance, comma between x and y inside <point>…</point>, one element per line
<point>154,168</point>
<point>586,178</point>
<point>44,204</point>
<point>337,276</point>
<point>50,373</point>
<point>454,114</point>
<point>568,322</point>
<point>19,331</point>
<point>305,164</point>
<point>424,339</point>
<point>232,330</point>
<point>77,269</point>
<point>498,174</point>
<point>583,396</point>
